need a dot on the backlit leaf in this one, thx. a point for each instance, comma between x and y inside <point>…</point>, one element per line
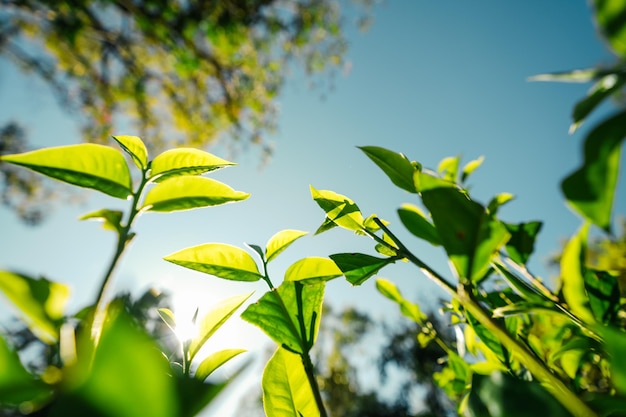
<point>17,385</point>
<point>449,168</point>
<point>41,303</point>
<point>397,166</point>
<point>279,313</point>
<point>111,219</point>
<point>168,318</point>
<point>88,165</point>
<point>186,193</point>
<point>600,91</point>
<point>604,295</point>
<point>359,267</point>
<point>184,161</point>
<point>213,320</point>
<point>576,76</point>
<point>521,244</point>
<point>590,190</point>
<point>339,209</point>
<point>416,222</point>
<point>572,275</point>
<point>312,269</point>
<point>407,308</point>
<point>281,241</point>
<point>470,167</point>
<point>222,260</point>
<point>498,201</point>
<point>134,146</point>
<point>214,361</point>
<point>286,389</point>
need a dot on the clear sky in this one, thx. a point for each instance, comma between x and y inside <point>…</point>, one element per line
<point>430,79</point>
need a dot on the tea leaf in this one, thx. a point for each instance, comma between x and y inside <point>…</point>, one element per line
<point>213,320</point>
<point>601,90</point>
<point>286,389</point>
<point>186,193</point>
<point>449,168</point>
<point>41,303</point>
<point>184,161</point>
<point>17,385</point>
<point>359,267</point>
<point>222,260</point>
<point>87,165</point>
<point>339,209</point>
<point>416,222</point>
<point>612,23</point>
<point>111,219</point>
<point>134,146</point>
<point>312,269</point>
<point>470,167</point>
<point>590,190</point>
<point>397,166</point>
<point>572,272</point>
<point>214,361</point>
<point>407,308</point>
<point>521,244</point>
<point>281,241</point>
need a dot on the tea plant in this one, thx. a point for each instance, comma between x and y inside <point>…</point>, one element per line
<point>104,363</point>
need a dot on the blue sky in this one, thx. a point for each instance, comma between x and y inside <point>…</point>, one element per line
<point>429,79</point>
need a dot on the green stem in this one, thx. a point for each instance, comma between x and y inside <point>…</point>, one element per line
<point>310,374</point>
<point>124,238</point>
<point>535,366</point>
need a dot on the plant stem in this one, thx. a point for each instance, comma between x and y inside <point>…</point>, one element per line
<point>310,374</point>
<point>124,238</point>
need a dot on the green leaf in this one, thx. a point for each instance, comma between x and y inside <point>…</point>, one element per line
<point>186,193</point>
<point>88,165</point>
<point>576,76</point>
<point>490,340</point>
<point>277,313</point>
<point>17,385</point>
<point>339,209</point>
<point>527,291</point>
<point>449,168</point>
<point>604,295</point>
<point>41,303</point>
<point>214,361</point>
<point>416,222</point>
<point>498,201</point>
<point>213,320</point>
<point>590,190</point>
<point>468,233</point>
<point>312,269</point>
<point>127,376</point>
<point>601,90</point>
<point>134,146</point>
<point>611,18</point>
<point>521,244</point>
<point>572,273</point>
<point>281,241</point>
<point>359,267</point>
<point>501,395</point>
<point>397,166</point>
<point>111,219</point>
<point>286,389</point>
<point>184,161</point>
<point>219,259</point>
<point>615,346</point>
<point>470,167</point>
<point>407,308</point>
<point>325,226</point>
<point>168,318</point>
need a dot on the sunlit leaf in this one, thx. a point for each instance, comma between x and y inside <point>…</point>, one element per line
<point>281,241</point>
<point>576,76</point>
<point>88,165</point>
<point>397,166</point>
<point>168,318</point>
<point>590,190</point>
<point>277,313</point>
<point>521,244</point>
<point>184,161</point>
<point>498,201</point>
<point>615,346</point>
<point>469,234</point>
<point>214,361</point>
<point>359,267</point>
<point>17,385</point>
<point>312,269</point>
<point>416,222</point>
<point>213,320</point>
<point>572,275</point>
<point>325,226</point>
<point>339,209</point>
<point>611,18</point>
<point>470,167</point>
<point>600,91</point>
<point>527,291</point>
<point>219,259</point>
<point>407,308</point>
<point>501,395</point>
<point>449,168</point>
<point>286,389</point>
<point>525,308</point>
<point>127,376</point>
<point>186,193</point>
<point>111,219</point>
<point>134,146</point>
<point>41,303</point>
<point>604,295</point>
